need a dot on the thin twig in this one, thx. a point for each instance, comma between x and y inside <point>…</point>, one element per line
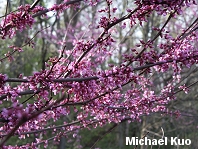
<point>47,10</point>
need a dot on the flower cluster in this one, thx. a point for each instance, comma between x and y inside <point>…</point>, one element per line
<point>2,80</point>
<point>18,20</point>
<point>164,7</point>
<point>86,82</point>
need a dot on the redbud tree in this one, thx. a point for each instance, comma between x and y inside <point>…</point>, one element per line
<point>74,81</point>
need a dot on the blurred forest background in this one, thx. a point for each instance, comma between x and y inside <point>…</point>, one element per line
<point>80,23</point>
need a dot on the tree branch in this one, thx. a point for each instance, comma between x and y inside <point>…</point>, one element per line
<point>47,10</point>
